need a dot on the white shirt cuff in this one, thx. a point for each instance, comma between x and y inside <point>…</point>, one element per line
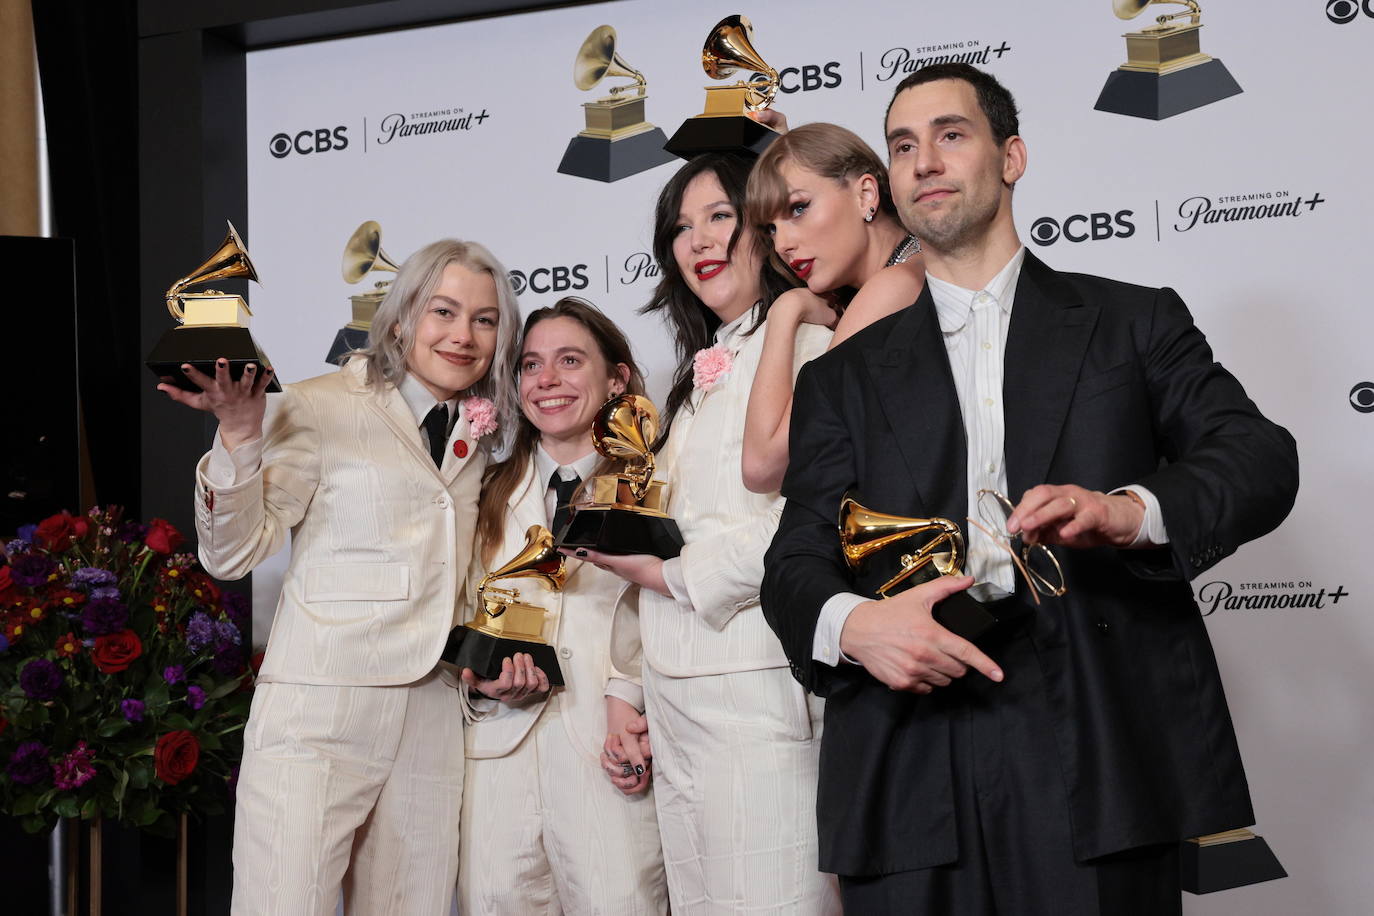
<point>676,580</point>
<point>229,469</point>
<point>825,645</point>
<point>1152,532</point>
<point>628,691</point>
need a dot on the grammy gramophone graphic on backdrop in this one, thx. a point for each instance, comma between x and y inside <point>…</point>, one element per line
<point>211,325</point>
<point>361,255</point>
<point>617,141</point>
<point>1165,72</point>
<point>724,126</point>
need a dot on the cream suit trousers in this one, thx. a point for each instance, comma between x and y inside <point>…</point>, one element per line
<point>329,774</point>
<point>735,760</point>
<point>545,832</point>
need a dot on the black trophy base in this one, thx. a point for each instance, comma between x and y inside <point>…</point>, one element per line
<point>981,621</point>
<point>611,160</point>
<point>730,134</point>
<point>345,342</point>
<point>1157,96</point>
<point>201,347</point>
<point>1222,866</point>
<point>621,531</point>
<point>483,653</point>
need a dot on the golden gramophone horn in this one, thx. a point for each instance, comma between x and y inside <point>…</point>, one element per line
<point>864,532</point>
<point>229,260</point>
<point>1129,9</point>
<point>538,560</point>
<point>364,253</point>
<point>625,428</point>
<point>597,59</point>
<point>730,47</point>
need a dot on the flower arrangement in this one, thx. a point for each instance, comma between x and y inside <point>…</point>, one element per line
<point>124,684</point>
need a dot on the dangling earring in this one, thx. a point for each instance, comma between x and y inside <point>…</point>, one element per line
<point>869,217</point>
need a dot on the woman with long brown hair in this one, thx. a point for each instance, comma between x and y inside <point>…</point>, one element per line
<point>819,202</point>
<point>542,832</point>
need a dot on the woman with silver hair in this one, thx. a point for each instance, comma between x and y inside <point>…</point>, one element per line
<point>352,772</point>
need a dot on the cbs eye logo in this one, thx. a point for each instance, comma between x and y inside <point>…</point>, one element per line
<point>305,142</point>
<point>549,279</point>
<point>1083,227</point>
<point>1362,397</point>
<point>1343,11</point>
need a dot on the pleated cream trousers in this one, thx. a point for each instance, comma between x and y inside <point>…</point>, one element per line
<point>358,788</point>
<point>545,832</point>
<point>735,761</point>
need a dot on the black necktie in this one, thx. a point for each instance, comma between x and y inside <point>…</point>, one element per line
<point>436,425</point>
<point>563,491</point>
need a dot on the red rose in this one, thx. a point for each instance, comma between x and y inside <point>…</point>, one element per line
<point>116,651</point>
<point>55,532</point>
<point>176,756</point>
<point>162,536</point>
<point>8,590</point>
<point>81,526</point>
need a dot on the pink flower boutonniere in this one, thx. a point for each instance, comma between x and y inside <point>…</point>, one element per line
<point>481,414</point>
<point>710,367</point>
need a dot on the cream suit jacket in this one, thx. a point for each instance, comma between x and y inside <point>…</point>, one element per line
<point>380,537</point>
<point>578,623</point>
<point>726,529</point>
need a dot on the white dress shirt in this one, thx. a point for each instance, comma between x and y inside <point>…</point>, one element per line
<point>228,468</point>
<point>974,324</point>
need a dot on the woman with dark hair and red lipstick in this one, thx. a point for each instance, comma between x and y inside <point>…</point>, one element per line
<point>818,199</point>
<point>734,736</point>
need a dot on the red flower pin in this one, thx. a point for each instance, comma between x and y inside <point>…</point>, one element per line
<point>460,448</point>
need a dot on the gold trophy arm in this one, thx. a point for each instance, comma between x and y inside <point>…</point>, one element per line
<point>945,550</point>
<point>1129,9</point>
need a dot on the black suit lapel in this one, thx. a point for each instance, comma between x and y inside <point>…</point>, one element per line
<point>915,387</point>
<point>1046,342</point>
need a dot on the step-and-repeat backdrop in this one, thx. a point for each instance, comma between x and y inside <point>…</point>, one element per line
<point>1255,208</point>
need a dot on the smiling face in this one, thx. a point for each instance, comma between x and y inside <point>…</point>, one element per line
<point>951,180</point>
<point>820,233</point>
<point>726,282</point>
<point>455,337</point>
<point>564,379</point>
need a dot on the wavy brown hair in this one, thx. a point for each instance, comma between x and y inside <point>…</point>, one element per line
<point>501,479</point>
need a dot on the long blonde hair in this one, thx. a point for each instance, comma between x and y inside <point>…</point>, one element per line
<point>393,327</point>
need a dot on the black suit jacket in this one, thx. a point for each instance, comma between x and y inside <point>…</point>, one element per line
<point>1105,384</point>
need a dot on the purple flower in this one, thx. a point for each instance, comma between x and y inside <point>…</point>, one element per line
<point>228,661</point>
<point>31,569</point>
<point>41,679</point>
<point>105,592</point>
<point>103,616</point>
<point>74,770</point>
<point>132,709</point>
<point>28,764</point>
<point>16,546</point>
<point>4,643</point>
<point>91,576</point>
<point>132,532</point>
<point>226,634</point>
<point>195,697</point>
<point>200,631</point>
<point>238,607</point>
<point>174,674</point>
<point>25,533</point>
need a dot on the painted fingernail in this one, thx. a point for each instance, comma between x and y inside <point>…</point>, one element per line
<point>250,368</point>
<point>580,552</point>
<point>221,363</point>
<point>185,368</point>
<point>639,769</point>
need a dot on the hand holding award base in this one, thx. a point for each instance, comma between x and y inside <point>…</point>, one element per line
<point>624,513</point>
<point>503,625</point>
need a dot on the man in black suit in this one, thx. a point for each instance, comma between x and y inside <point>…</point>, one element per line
<point>1053,769</point>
